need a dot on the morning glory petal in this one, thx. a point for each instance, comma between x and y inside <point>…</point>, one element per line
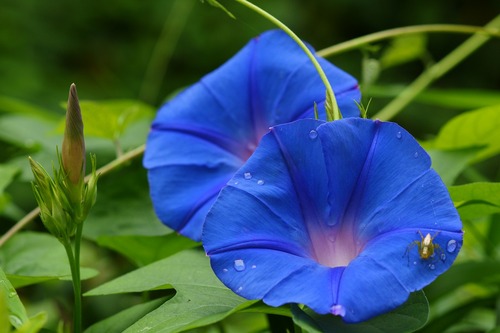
<point>216,124</point>
<point>344,220</point>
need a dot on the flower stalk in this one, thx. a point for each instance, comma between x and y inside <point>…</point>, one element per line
<point>331,106</point>
<point>65,199</point>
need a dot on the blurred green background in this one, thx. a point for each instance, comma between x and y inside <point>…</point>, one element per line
<point>106,47</point>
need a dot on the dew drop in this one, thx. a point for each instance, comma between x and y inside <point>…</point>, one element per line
<point>239,265</point>
<point>247,175</point>
<point>451,246</point>
<point>415,155</point>
<point>443,256</point>
<point>239,289</point>
<point>338,310</point>
<point>236,183</point>
<point>313,134</point>
<point>431,266</point>
<point>254,266</point>
<point>15,320</point>
<point>399,135</point>
<point>414,263</point>
<point>225,270</point>
<point>260,182</point>
<point>12,294</point>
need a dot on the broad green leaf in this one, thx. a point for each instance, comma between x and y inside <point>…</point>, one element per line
<point>31,257</point>
<point>461,99</point>
<point>5,325</point>
<point>479,128</point>
<point>200,298</point>
<point>409,317</point>
<point>109,119</point>
<point>476,199</point>
<point>16,312</point>
<point>120,321</point>
<point>404,49</point>
<point>123,207</point>
<point>143,250</point>
<point>450,163</point>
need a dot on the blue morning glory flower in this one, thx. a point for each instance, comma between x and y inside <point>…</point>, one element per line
<point>346,217</point>
<point>205,134</point>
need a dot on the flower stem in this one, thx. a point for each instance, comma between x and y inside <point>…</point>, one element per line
<point>436,71</point>
<point>332,109</point>
<point>396,32</point>
<point>74,263</point>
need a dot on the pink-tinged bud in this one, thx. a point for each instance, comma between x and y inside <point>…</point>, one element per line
<point>73,146</point>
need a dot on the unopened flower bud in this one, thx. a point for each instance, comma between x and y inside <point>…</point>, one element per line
<point>73,146</point>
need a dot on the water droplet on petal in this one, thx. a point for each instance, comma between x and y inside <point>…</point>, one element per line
<point>225,270</point>
<point>260,182</point>
<point>338,310</point>
<point>254,266</point>
<point>443,256</point>
<point>239,265</point>
<point>431,266</point>
<point>451,246</point>
<point>399,135</point>
<point>239,289</point>
<point>313,134</point>
<point>415,155</point>
<point>414,263</point>
<point>247,175</point>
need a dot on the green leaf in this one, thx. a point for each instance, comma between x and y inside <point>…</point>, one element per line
<point>120,321</point>
<point>34,325</point>
<point>450,163</point>
<point>476,199</point>
<point>477,128</point>
<point>409,317</point>
<point>123,208</point>
<point>8,296</point>
<point>143,250</point>
<point>404,49</point>
<point>110,119</point>
<point>200,298</point>
<point>31,257</point>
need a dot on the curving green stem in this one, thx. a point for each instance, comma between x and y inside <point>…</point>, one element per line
<point>332,109</point>
<point>409,30</point>
<point>436,71</point>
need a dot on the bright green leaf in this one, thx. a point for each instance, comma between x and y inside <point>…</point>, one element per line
<point>31,257</point>
<point>120,321</point>
<point>200,298</point>
<point>477,128</point>
<point>16,312</point>
<point>34,325</point>
<point>143,250</point>
<point>409,317</point>
<point>404,49</point>
<point>450,163</point>
<point>476,199</point>
<point>110,119</point>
